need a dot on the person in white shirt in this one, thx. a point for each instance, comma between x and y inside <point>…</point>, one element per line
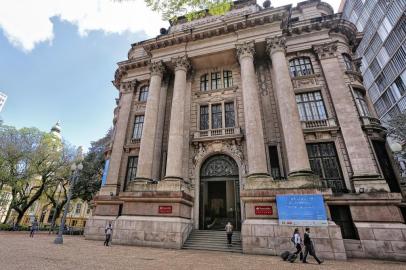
<point>229,231</point>
<point>108,231</point>
<point>298,243</point>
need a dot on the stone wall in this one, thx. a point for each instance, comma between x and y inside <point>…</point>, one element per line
<point>378,241</point>
<point>268,237</point>
<point>96,225</point>
<point>163,232</point>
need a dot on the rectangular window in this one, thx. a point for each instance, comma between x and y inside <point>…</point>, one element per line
<point>227,78</point>
<point>341,215</point>
<point>131,169</point>
<point>204,82</point>
<point>216,116</point>
<point>274,162</point>
<point>143,93</point>
<point>78,208</point>
<point>138,125</point>
<point>361,103</point>
<point>311,106</point>
<point>229,114</point>
<point>324,162</point>
<point>215,80</point>
<point>204,117</point>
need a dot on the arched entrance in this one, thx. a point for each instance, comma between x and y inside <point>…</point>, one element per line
<point>219,193</point>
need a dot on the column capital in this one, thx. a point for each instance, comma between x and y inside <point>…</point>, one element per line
<point>157,68</point>
<point>181,63</point>
<point>245,49</point>
<point>275,44</point>
<point>326,50</point>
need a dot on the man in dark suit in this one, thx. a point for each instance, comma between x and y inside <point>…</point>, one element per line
<point>309,247</point>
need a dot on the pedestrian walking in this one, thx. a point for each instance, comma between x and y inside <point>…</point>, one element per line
<point>309,247</point>
<point>34,227</point>
<point>108,231</point>
<point>229,232</point>
<point>297,240</point>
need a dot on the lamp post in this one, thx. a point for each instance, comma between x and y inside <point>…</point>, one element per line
<point>75,175</point>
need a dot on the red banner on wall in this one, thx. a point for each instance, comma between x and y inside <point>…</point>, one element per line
<point>165,209</point>
<point>264,210</point>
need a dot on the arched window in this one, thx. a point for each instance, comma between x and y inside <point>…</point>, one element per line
<point>143,93</point>
<point>348,62</point>
<point>300,66</point>
<point>204,82</point>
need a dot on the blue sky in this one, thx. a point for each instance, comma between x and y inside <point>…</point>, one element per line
<point>67,80</point>
<point>58,57</point>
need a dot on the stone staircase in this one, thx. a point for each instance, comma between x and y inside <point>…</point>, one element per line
<point>212,240</point>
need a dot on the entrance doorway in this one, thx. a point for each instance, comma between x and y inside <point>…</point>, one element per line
<point>219,194</point>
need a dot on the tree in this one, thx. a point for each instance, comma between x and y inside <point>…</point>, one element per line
<point>30,160</point>
<point>191,9</point>
<point>397,126</point>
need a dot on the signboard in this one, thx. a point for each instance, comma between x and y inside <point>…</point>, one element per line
<point>165,209</point>
<point>106,169</point>
<point>301,210</point>
<point>263,210</point>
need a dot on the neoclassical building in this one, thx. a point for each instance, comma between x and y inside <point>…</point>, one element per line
<point>217,116</point>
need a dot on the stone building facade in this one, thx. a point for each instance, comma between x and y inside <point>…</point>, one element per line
<point>221,114</point>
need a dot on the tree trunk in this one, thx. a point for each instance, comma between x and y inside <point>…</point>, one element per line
<point>7,215</point>
<point>20,217</point>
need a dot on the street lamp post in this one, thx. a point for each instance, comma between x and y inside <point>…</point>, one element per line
<point>75,175</point>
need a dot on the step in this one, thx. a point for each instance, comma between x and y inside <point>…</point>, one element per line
<point>215,249</point>
<point>212,240</point>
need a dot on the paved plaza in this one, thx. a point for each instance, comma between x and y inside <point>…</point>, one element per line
<point>18,251</point>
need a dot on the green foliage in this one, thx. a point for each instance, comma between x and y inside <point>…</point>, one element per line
<point>191,9</point>
<point>397,126</point>
<point>5,227</point>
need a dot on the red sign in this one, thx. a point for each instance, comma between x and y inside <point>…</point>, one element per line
<point>165,209</point>
<point>265,210</point>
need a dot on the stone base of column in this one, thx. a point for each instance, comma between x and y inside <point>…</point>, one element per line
<point>258,181</point>
<point>302,179</point>
<point>172,183</point>
<point>369,183</point>
<point>108,190</point>
<point>143,180</point>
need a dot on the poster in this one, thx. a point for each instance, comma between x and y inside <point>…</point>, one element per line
<point>301,210</point>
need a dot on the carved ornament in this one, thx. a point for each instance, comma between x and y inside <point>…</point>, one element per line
<point>157,68</point>
<point>245,49</point>
<point>181,63</point>
<point>327,50</point>
<point>275,44</point>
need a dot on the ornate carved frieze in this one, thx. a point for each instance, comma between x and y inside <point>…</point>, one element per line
<point>245,49</point>
<point>275,44</point>
<point>181,62</point>
<point>305,81</point>
<point>157,68</point>
<point>219,165</point>
<point>230,148</point>
<point>327,50</point>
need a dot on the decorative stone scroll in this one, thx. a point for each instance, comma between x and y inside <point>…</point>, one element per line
<point>245,49</point>
<point>327,50</point>
<point>157,68</point>
<point>181,62</point>
<point>275,44</point>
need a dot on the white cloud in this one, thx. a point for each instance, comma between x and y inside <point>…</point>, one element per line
<point>28,22</point>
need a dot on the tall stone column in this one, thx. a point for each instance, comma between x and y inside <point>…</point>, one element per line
<point>149,132</point>
<point>174,164</point>
<point>257,162</point>
<point>365,174</point>
<point>298,160</point>
<point>112,181</point>
<point>157,164</point>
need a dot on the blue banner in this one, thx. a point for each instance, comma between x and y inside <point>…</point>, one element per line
<point>106,169</point>
<point>301,210</point>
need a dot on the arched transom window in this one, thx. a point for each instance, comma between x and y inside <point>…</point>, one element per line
<point>300,66</point>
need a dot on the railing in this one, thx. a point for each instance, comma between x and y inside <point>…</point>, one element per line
<point>217,132</point>
<point>319,123</point>
<point>135,140</point>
